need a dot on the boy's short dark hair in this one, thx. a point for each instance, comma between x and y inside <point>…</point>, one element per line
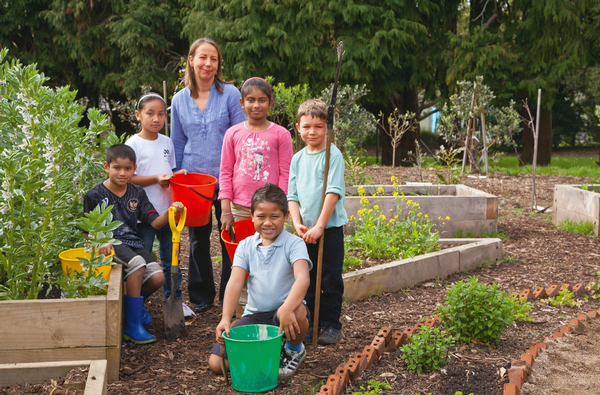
<point>120,151</point>
<point>314,107</point>
<point>269,193</point>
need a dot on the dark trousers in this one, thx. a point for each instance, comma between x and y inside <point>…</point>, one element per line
<point>332,285</point>
<point>201,283</point>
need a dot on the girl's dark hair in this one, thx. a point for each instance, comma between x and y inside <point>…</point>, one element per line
<point>190,77</point>
<point>146,97</point>
<point>256,82</point>
<point>269,193</point>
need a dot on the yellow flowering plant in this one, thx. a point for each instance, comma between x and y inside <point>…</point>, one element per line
<point>402,232</point>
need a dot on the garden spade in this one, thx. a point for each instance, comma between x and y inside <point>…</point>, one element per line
<point>330,113</point>
<point>173,308</point>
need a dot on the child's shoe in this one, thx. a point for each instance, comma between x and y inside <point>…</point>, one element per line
<point>133,330</point>
<point>290,361</point>
<point>329,335</point>
<point>146,317</point>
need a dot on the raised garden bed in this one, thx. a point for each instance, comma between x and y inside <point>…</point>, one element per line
<point>471,212</point>
<point>575,204</point>
<point>40,372</point>
<point>393,276</point>
<point>52,330</point>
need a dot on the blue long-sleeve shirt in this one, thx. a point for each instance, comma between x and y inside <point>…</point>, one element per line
<point>198,136</point>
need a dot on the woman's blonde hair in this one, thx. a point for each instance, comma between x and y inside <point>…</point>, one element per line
<point>190,76</point>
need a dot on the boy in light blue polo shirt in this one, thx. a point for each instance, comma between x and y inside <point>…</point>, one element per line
<point>278,265</point>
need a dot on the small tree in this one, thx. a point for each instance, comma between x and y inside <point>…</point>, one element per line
<point>398,124</point>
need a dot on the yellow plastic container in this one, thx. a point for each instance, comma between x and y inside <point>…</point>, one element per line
<point>70,263</point>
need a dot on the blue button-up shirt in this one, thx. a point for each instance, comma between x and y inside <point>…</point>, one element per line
<point>198,136</point>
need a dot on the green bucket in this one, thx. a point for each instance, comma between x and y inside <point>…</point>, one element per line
<point>253,352</point>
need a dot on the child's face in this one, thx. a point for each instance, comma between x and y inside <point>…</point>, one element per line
<point>269,221</point>
<point>256,104</point>
<point>152,116</point>
<point>313,131</point>
<point>120,171</point>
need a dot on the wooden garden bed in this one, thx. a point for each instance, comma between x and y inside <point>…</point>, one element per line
<point>576,205</point>
<point>52,330</point>
<point>39,372</point>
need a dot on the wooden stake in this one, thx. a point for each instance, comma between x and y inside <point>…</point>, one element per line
<point>535,148</point>
<point>330,114</point>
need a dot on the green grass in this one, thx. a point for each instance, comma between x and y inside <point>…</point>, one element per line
<point>583,227</point>
<point>560,165</point>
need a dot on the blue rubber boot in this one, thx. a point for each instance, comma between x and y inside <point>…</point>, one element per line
<point>146,317</point>
<point>133,329</point>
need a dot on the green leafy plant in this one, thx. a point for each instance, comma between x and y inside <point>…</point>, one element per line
<point>284,111</point>
<point>476,311</point>
<point>582,227</point>
<point>521,308</point>
<point>47,163</point>
<point>565,298</point>
<point>427,350</point>
<point>356,171</point>
<point>98,224</point>
<point>373,388</point>
<point>448,160</point>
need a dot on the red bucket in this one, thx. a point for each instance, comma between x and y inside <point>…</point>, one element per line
<point>242,229</point>
<point>197,192</point>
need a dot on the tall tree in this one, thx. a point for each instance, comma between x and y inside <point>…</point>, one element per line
<point>520,46</point>
<point>392,46</point>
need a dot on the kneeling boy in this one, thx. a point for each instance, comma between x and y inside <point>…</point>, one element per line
<point>278,266</point>
<point>130,204</point>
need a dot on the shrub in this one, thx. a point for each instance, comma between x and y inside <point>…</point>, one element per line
<point>427,350</point>
<point>476,311</point>
<point>521,308</point>
<point>47,163</point>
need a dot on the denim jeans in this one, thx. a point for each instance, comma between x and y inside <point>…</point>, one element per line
<point>165,249</point>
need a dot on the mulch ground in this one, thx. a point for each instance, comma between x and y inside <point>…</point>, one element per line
<point>535,254</point>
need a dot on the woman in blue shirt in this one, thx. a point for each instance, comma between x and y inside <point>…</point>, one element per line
<point>200,115</point>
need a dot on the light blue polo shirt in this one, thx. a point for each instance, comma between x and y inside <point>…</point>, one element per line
<point>271,278</point>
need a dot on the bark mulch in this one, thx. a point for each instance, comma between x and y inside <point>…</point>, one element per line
<point>535,254</point>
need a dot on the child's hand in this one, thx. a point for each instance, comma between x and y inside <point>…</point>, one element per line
<point>179,206</point>
<point>182,171</point>
<point>313,235</point>
<point>106,250</point>
<point>288,323</point>
<point>300,229</point>
<point>163,179</point>
<point>224,325</point>
<point>227,221</point>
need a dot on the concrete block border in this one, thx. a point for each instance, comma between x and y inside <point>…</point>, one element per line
<point>393,276</point>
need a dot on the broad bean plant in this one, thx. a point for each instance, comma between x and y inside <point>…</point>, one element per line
<point>47,163</point>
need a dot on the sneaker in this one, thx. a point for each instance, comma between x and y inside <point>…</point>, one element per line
<point>202,307</point>
<point>290,361</point>
<point>329,335</point>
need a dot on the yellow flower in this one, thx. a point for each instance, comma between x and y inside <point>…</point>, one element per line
<point>392,221</point>
<point>351,217</point>
<point>414,223</point>
<point>361,191</point>
<point>426,216</point>
<point>409,202</point>
<point>418,215</point>
<point>439,217</point>
<point>376,207</point>
<point>396,217</point>
<point>393,178</point>
<point>370,211</point>
<point>380,190</point>
<point>382,217</point>
<point>374,195</point>
<point>396,194</point>
<point>447,218</point>
<point>364,200</point>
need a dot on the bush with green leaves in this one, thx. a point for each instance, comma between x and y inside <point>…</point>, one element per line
<point>373,388</point>
<point>520,307</point>
<point>476,311</point>
<point>47,163</point>
<point>427,350</point>
<point>352,121</point>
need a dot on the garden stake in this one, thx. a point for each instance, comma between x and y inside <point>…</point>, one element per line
<point>330,111</point>
<point>172,308</point>
<point>223,367</point>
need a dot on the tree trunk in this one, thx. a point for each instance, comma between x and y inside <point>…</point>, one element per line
<point>544,143</point>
